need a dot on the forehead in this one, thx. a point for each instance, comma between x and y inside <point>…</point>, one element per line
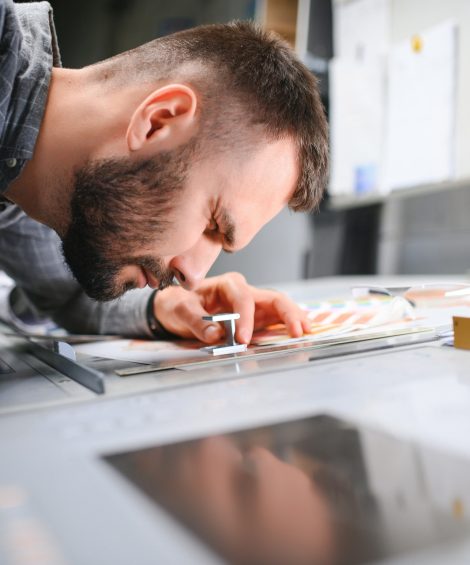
<point>269,165</point>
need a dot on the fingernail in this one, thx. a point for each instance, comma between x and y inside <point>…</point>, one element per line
<point>211,333</point>
<point>297,329</point>
<point>244,336</point>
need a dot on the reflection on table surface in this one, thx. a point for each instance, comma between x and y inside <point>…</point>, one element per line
<point>315,491</point>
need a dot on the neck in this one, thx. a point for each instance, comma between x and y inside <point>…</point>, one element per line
<point>80,123</point>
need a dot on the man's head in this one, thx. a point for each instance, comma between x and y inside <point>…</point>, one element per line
<point>220,127</point>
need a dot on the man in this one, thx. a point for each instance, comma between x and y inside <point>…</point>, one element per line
<point>146,166</point>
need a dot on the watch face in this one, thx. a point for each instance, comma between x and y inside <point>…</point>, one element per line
<point>312,491</point>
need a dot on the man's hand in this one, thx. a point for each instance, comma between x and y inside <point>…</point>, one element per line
<point>180,311</point>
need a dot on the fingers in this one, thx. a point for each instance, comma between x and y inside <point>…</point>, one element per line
<point>235,291</point>
<point>245,325</point>
<point>181,313</point>
<point>306,323</point>
<point>263,305</point>
<point>288,313</point>
<point>278,307</point>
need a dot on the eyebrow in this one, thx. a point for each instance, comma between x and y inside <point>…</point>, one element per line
<point>228,228</point>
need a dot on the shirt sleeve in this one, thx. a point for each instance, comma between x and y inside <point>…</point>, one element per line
<point>10,45</point>
<point>30,253</point>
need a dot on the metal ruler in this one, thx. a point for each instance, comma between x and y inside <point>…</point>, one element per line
<point>333,347</point>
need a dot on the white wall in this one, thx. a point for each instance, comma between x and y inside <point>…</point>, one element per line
<point>275,255</point>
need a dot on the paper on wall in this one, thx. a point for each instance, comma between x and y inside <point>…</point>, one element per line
<point>361,28</point>
<point>357,115</point>
<point>420,123</point>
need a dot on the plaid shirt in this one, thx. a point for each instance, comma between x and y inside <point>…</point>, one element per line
<point>30,252</point>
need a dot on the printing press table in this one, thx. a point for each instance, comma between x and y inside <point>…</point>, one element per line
<point>75,466</point>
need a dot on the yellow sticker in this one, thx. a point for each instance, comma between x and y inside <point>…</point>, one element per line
<point>458,508</point>
<point>416,44</point>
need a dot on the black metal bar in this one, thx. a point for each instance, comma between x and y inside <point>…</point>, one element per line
<point>86,376</point>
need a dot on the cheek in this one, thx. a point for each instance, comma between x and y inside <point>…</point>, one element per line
<point>179,237</point>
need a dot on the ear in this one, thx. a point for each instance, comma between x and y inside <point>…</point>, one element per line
<point>164,120</point>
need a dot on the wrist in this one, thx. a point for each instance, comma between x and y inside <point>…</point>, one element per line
<point>156,328</point>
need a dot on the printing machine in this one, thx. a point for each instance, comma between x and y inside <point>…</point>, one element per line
<point>353,456</point>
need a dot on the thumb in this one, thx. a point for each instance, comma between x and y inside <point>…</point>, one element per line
<point>210,332</point>
<point>203,330</point>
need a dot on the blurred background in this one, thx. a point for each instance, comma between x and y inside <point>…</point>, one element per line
<point>396,86</point>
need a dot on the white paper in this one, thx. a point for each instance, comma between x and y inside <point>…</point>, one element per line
<point>361,28</point>
<point>420,129</point>
<point>141,351</point>
<point>357,100</point>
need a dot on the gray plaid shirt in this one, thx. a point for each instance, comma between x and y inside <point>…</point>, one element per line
<point>30,252</point>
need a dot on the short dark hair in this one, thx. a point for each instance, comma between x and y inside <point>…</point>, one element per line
<point>261,75</point>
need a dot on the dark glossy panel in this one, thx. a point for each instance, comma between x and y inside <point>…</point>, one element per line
<point>311,491</point>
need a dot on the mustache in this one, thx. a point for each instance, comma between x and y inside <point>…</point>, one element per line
<point>163,274</point>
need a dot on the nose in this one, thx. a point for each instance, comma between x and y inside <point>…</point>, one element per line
<point>191,267</point>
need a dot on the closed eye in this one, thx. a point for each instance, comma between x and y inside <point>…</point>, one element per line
<point>213,227</point>
<point>226,230</point>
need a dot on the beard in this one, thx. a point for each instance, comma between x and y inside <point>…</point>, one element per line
<point>119,206</point>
